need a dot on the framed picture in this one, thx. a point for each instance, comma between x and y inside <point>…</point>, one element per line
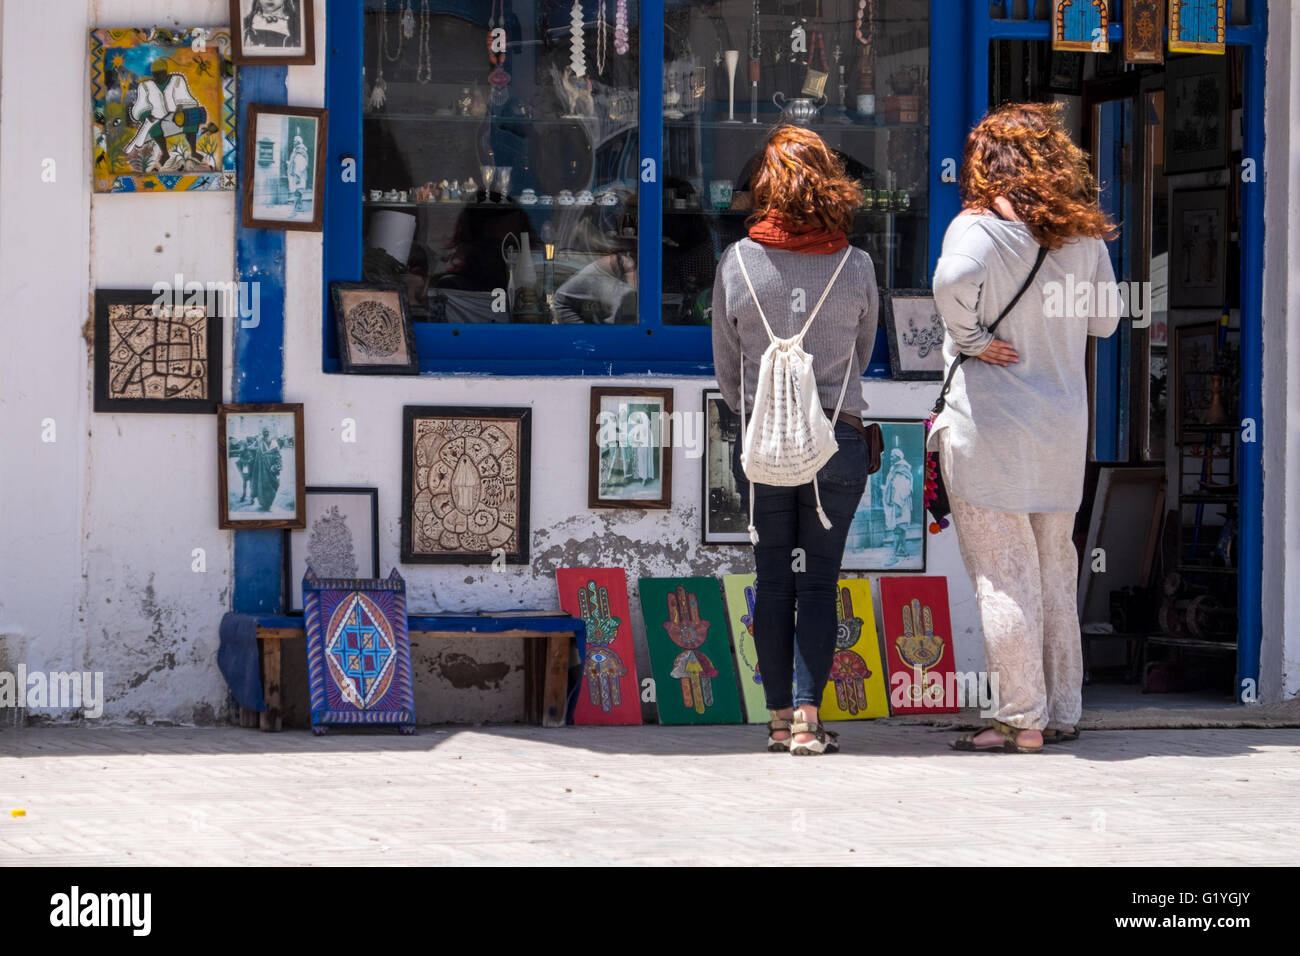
<point>1197,26</point>
<point>915,332</point>
<point>1066,72</point>
<point>273,31</point>
<point>465,484</point>
<point>888,531</point>
<point>1195,354</point>
<point>1198,241</point>
<point>1080,25</point>
<point>284,177</point>
<point>374,326</point>
<point>151,356</point>
<point>341,539</point>
<point>630,463</point>
<point>1196,115</point>
<point>724,518</point>
<point>261,466</point>
<point>1144,31</point>
<point>1124,521</point>
<point>162,110</point>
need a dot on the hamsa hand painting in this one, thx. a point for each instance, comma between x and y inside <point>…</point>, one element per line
<point>163,110</point>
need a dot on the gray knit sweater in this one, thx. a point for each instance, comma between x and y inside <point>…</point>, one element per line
<point>847,318</point>
<point>1019,433</point>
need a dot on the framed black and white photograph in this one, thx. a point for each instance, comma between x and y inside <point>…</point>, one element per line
<point>725,520</point>
<point>1198,248</point>
<point>341,539</point>
<point>889,530</point>
<point>915,332</point>
<point>284,176</point>
<point>1196,115</point>
<point>260,468</point>
<point>280,32</point>
<point>375,336</point>
<point>630,464</point>
<point>153,355</point>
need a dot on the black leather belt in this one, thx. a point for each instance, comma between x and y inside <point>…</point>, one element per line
<point>849,418</point>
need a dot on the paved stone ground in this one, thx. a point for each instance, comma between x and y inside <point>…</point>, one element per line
<point>652,795</point>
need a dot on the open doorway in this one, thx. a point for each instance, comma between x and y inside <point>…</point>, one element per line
<point>1157,528</point>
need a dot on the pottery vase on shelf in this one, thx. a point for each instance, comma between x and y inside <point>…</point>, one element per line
<point>799,110</point>
<point>1218,412</point>
<point>672,97</point>
<point>733,60</point>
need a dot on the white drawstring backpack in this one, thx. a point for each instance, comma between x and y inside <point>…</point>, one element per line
<point>789,438</point>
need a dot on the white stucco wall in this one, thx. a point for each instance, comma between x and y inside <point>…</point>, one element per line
<point>1280,650</point>
<point>100,525</point>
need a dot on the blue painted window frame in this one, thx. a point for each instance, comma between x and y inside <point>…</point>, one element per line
<point>649,347</point>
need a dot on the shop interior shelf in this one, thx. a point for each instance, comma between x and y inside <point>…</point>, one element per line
<point>1204,569</point>
<point>767,121</point>
<point>498,118</point>
<point>1227,645</point>
<point>459,204</point>
<point>911,211</point>
<point>1208,498</point>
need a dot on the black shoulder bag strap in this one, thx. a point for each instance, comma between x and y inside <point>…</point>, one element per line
<point>941,401</point>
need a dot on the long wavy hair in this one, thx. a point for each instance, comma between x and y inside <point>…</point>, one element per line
<point>801,181</point>
<point>1022,151</point>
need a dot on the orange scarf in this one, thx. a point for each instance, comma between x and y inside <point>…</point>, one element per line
<point>776,232</point>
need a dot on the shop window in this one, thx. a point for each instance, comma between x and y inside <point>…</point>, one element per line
<point>734,69</point>
<point>501,160</point>
<point>508,148</point>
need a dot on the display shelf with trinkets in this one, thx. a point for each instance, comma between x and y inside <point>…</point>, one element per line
<point>481,128</point>
<point>853,71</point>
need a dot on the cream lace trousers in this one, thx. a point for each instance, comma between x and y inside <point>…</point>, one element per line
<point>1025,572</point>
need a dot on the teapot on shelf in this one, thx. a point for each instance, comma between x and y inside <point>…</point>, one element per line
<point>800,110</point>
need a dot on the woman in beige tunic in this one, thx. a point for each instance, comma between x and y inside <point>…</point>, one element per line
<point>1012,439</point>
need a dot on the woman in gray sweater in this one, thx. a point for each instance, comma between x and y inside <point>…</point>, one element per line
<point>797,248</point>
<point>1012,438</point>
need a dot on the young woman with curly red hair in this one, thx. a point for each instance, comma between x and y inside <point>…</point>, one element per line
<point>1012,438</point>
<point>803,209</point>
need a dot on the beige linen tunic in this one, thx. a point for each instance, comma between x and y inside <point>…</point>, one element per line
<point>1018,434</point>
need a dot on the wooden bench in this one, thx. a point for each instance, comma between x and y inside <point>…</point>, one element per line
<point>546,665</point>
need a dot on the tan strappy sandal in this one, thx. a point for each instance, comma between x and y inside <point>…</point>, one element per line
<point>778,723</point>
<point>1006,745</point>
<point>824,742</point>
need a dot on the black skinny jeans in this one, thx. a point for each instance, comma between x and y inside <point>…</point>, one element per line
<point>797,562</point>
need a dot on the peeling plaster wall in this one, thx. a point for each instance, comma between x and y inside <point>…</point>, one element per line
<point>101,526</point>
<point>151,489</point>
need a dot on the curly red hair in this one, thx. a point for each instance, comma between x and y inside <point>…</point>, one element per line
<point>1022,151</point>
<point>801,181</point>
